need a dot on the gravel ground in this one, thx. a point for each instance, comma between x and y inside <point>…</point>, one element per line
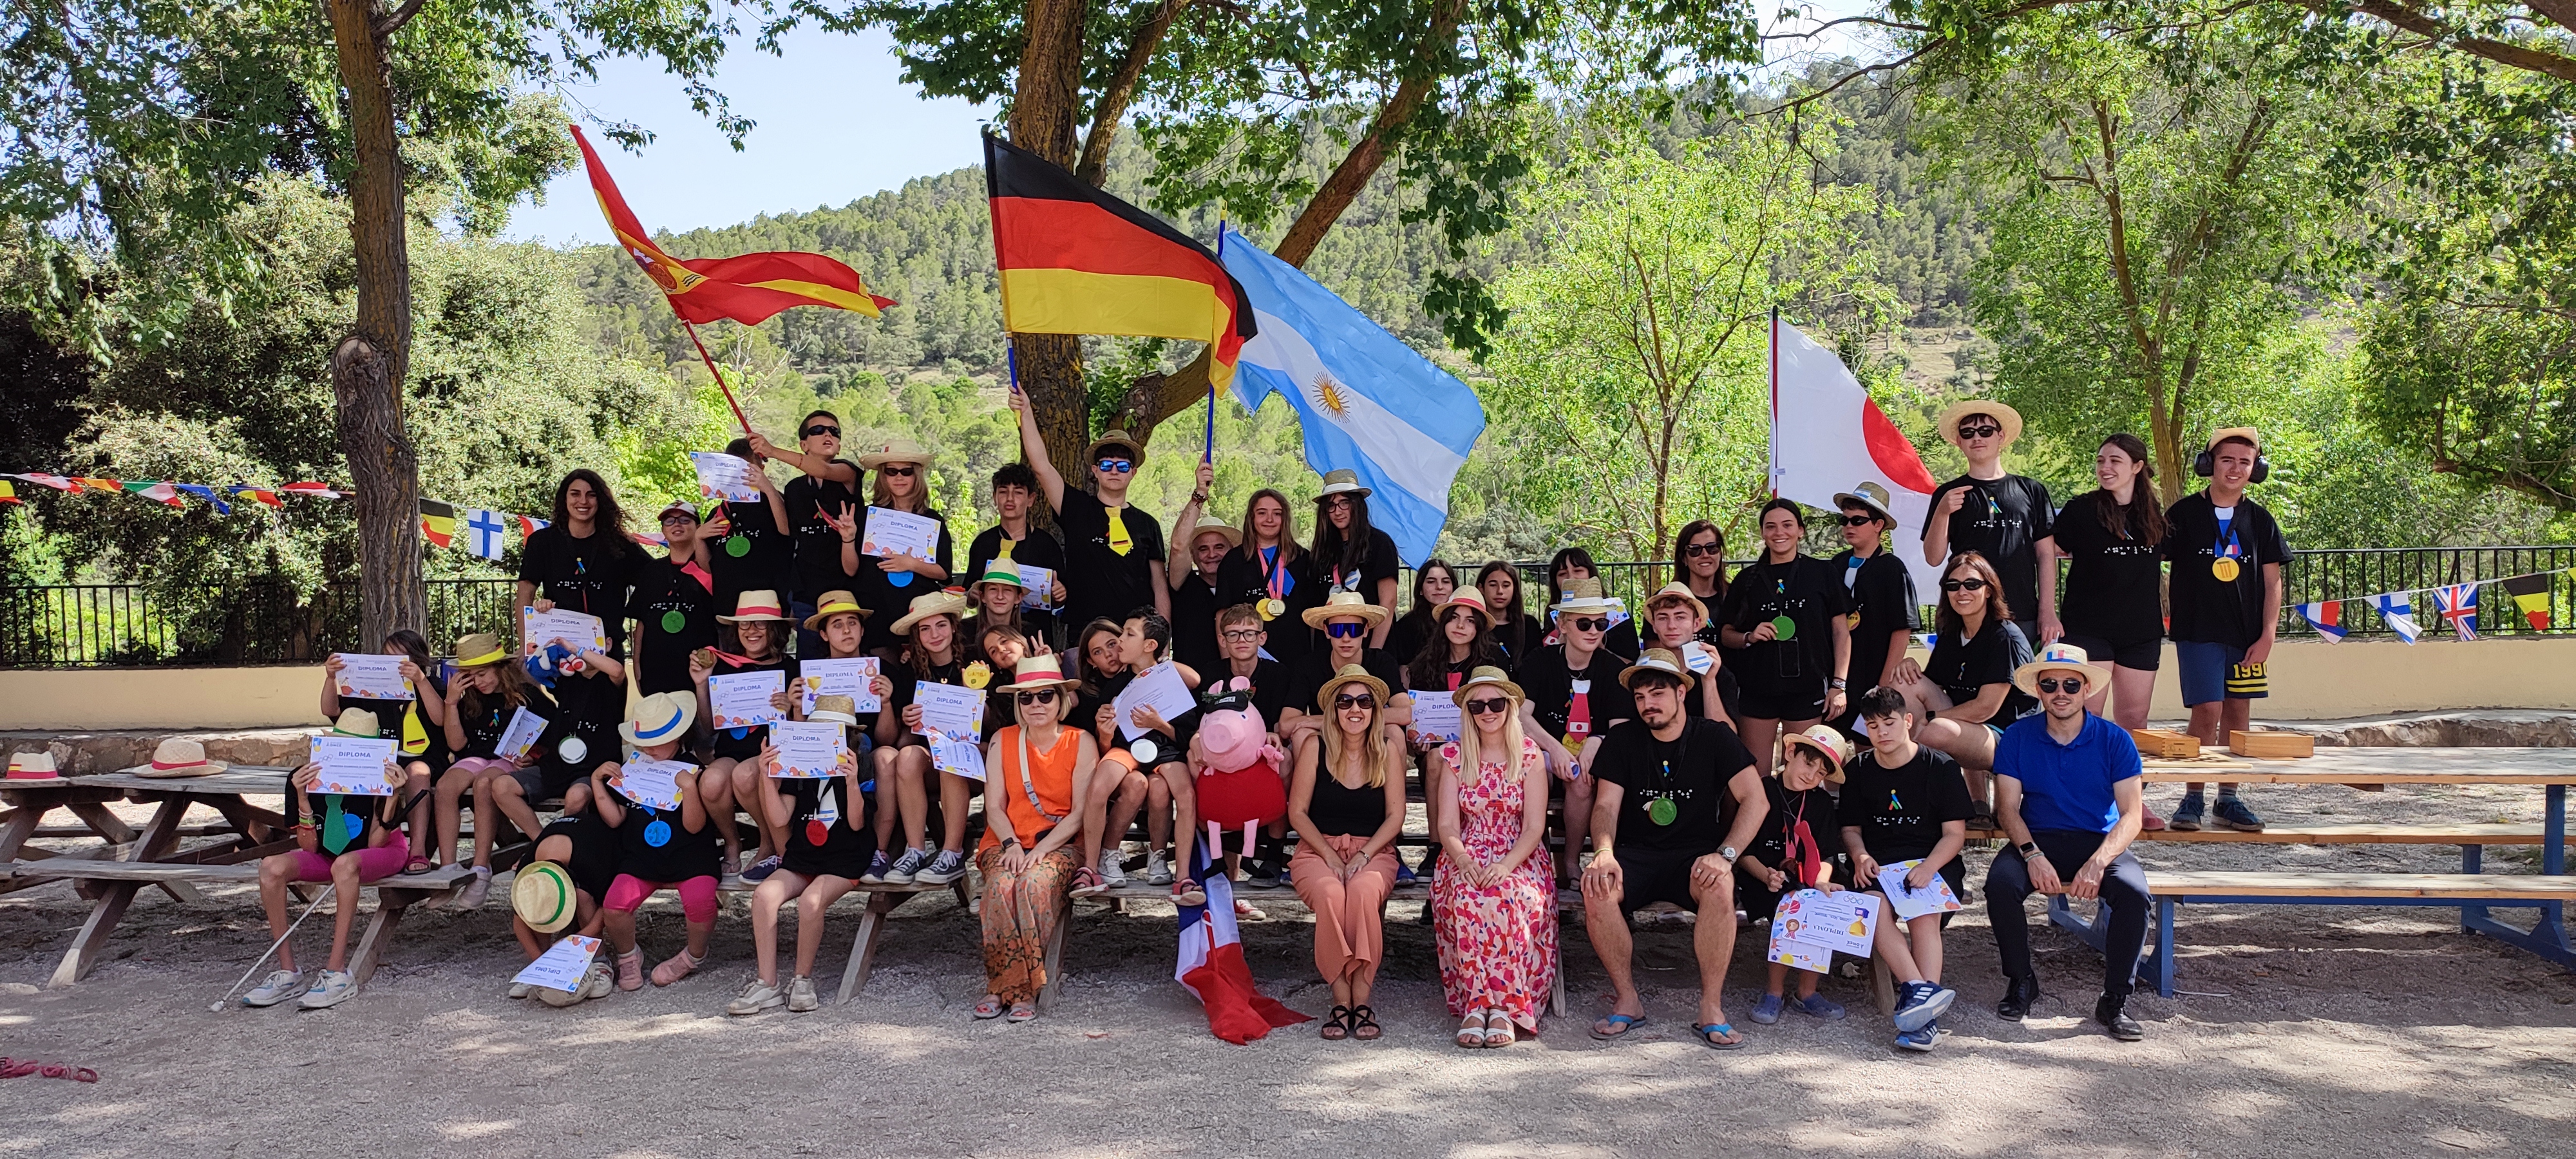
<point>2305,1031</point>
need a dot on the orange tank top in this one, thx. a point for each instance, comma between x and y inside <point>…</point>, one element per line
<point>1047,785</point>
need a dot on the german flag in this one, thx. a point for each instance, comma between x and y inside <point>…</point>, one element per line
<point>438,522</point>
<point>2531,597</point>
<point>747,289</point>
<point>1075,260</point>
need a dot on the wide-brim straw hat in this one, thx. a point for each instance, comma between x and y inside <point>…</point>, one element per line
<point>1583,594</point>
<point>542,895</point>
<point>2005,416</point>
<point>833,604</point>
<point>1678,591</point>
<point>1350,674</point>
<point>835,709</point>
<point>478,649</point>
<point>1828,743</point>
<point>1486,676</point>
<point>2062,656</point>
<point>1658,660</point>
<point>1210,525</point>
<point>1036,672</point>
<point>1114,438</point>
<point>659,719</point>
<point>178,756</point>
<point>1343,605</point>
<point>1464,599</point>
<point>357,722</point>
<point>758,605</point>
<point>896,451</point>
<point>1869,496</point>
<point>944,602</point>
<point>1342,481</point>
<point>998,571</point>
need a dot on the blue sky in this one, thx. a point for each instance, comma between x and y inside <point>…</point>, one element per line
<point>835,123</point>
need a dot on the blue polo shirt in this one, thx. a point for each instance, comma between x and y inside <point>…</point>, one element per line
<point>2068,786</point>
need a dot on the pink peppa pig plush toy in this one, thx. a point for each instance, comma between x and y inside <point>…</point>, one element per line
<point>1238,784</point>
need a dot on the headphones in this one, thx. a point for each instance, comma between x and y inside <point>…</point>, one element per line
<point>2207,464</point>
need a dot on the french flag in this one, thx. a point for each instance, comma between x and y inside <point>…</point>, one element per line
<point>1828,436</point>
<point>1211,965</point>
<point>2326,618</point>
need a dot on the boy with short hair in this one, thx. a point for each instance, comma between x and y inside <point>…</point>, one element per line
<point>1015,491</point>
<point>1902,802</point>
<point>2225,592</point>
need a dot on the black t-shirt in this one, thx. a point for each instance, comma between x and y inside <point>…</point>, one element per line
<point>662,591</point>
<point>886,600</point>
<point>847,838</point>
<point>2205,609</point>
<point>1815,807</point>
<point>1194,608</point>
<point>748,745</point>
<point>1520,641</point>
<point>589,574</point>
<point>682,854</point>
<point>591,708</point>
<point>389,721</point>
<point>1810,593</point>
<point>1038,549</point>
<point>817,542</point>
<point>1964,667</point>
<point>1899,811</point>
<point>1378,560</point>
<point>2003,520</point>
<point>1309,676</point>
<point>1271,685</point>
<point>485,718</point>
<point>1691,771</point>
<point>1101,583</point>
<point>2112,579</point>
<point>1881,604</point>
<point>1247,581</point>
<point>767,561</point>
<point>904,676</point>
<point>1549,684</point>
<point>1408,635</point>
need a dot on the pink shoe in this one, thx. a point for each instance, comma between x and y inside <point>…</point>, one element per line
<point>630,970</point>
<point>2150,822</point>
<point>680,965</point>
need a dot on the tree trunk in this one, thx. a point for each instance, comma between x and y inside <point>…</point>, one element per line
<point>1043,107</point>
<point>371,364</point>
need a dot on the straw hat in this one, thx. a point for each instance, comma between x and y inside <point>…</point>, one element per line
<point>479,649</point>
<point>1349,675</point>
<point>661,718</point>
<point>1867,495</point>
<point>2063,657</point>
<point>896,451</point>
<point>1828,743</point>
<point>944,602</point>
<point>835,709</point>
<point>1344,605</point>
<point>1209,524</point>
<point>178,757</point>
<point>1486,676</point>
<point>760,604</point>
<point>541,894</point>
<point>1583,594</point>
<point>2005,416</point>
<point>356,722</point>
<point>997,571</point>
<point>1120,439</point>
<point>1657,660</point>
<point>1342,481</point>
<point>833,604</point>
<point>1036,672</point>
<point>35,766</point>
<point>1464,598</point>
<point>1677,591</point>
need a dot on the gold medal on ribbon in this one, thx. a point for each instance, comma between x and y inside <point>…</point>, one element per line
<point>2225,568</point>
<point>1271,608</point>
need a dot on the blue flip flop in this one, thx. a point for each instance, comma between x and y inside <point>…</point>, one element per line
<point>1624,1022</point>
<point>1708,1028</point>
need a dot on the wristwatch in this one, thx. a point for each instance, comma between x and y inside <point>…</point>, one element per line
<point>1729,854</point>
<point>1838,682</point>
<point>2029,850</point>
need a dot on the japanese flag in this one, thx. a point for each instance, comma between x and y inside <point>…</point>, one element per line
<point>1827,437</point>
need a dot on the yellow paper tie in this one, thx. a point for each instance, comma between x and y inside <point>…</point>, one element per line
<point>415,740</point>
<point>1119,540</point>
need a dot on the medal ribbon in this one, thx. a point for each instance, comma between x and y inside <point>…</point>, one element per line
<point>1119,540</point>
<point>2227,546</point>
<point>1275,577</point>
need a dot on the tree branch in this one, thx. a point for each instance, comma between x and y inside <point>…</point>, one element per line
<point>1121,91</point>
<point>2415,20</point>
<point>392,22</point>
<point>1370,151</point>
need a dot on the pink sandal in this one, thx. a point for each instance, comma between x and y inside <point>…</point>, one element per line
<point>630,970</point>
<point>680,965</point>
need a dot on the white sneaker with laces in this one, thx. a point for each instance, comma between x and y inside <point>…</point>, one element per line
<point>330,989</point>
<point>1158,869</point>
<point>756,997</point>
<point>519,990</point>
<point>801,996</point>
<point>277,987</point>
<point>1112,874</point>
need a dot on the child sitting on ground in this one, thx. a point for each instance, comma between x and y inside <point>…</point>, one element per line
<point>544,906</point>
<point>1905,801</point>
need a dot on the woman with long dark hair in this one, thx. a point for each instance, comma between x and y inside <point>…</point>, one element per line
<point>1699,561</point>
<point>1350,555</point>
<point>1433,583</point>
<point>583,561</point>
<point>2114,607</point>
<point>1517,631</point>
<point>1273,574</point>
<point>1786,611</point>
<point>1964,696</point>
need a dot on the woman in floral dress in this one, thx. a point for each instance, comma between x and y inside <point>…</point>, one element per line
<point>1494,905</point>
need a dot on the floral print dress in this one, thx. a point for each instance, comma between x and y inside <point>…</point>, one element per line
<point>1497,942</point>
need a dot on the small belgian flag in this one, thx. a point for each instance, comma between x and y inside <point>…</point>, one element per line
<point>438,522</point>
<point>2531,597</point>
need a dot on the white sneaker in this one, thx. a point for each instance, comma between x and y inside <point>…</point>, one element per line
<point>280,986</point>
<point>477,888</point>
<point>1248,911</point>
<point>801,996</point>
<point>330,989</point>
<point>1112,874</point>
<point>1158,871</point>
<point>756,997</point>
<point>519,990</point>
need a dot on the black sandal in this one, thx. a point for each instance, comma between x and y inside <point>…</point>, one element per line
<point>1364,1023</point>
<point>1337,1025</point>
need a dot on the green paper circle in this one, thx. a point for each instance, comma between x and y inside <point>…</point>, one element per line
<point>1784,628</point>
<point>1662,811</point>
<point>672,622</point>
<point>737,546</point>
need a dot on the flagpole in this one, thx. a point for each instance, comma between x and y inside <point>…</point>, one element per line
<point>709,359</point>
<point>1210,455</point>
<point>1773,477</point>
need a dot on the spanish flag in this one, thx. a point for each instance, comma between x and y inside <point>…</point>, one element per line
<point>747,289</point>
<point>1075,260</point>
<point>438,522</point>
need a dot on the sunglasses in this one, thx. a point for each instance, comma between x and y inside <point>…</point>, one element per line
<point>1589,624</point>
<point>1360,701</point>
<point>1700,549</point>
<point>1041,696</point>
<point>2072,685</point>
<point>1980,430</point>
<point>1243,633</point>
<point>1344,629</point>
<point>820,429</point>
<point>903,472</point>
<point>1488,705</point>
<point>1116,466</point>
<point>1965,585</point>
<point>1859,520</point>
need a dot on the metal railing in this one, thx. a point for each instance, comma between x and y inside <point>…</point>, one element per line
<point>130,625</point>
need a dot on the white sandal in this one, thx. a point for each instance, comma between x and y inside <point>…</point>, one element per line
<point>1471,1030</point>
<point>1499,1031</point>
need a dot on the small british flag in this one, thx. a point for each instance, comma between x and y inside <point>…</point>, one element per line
<point>2459,604</point>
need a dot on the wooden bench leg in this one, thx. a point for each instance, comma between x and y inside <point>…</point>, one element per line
<point>159,836</point>
<point>1556,989</point>
<point>390,904</point>
<point>22,825</point>
<point>1882,985</point>
<point>1055,955</point>
<point>863,948</point>
<point>2164,947</point>
<point>114,896</point>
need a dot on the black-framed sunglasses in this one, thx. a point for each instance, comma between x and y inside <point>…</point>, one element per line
<point>2072,685</point>
<point>1041,696</point>
<point>1116,466</point>
<point>1346,700</point>
<point>1487,705</point>
<point>1980,430</point>
<point>1589,624</point>
<point>1344,629</point>
<point>899,470</point>
<point>1965,585</point>
<point>1700,549</point>
<point>820,429</point>
<point>1858,520</point>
